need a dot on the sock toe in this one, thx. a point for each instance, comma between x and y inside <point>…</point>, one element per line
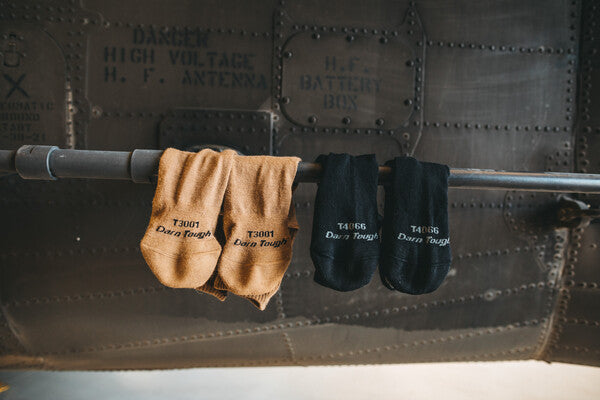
<point>183,270</point>
<point>413,279</point>
<point>434,278</point>
<point>344,275</point>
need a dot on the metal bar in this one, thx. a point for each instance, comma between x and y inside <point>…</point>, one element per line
<point>141,165</point>
<point>7,160</point>
<point>91,164</point>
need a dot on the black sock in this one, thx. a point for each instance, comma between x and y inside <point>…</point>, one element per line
<point>345,237</point>
<point>416,242</point>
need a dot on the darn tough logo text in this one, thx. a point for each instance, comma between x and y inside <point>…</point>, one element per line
<point>185,234</point>
<point>352,235</point>
<point>427,239</point>
<point>261,243</point>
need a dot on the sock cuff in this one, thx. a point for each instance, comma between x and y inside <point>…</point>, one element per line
<point>208,289</point>
<point>259,300</point>
<point>260,186</point>
<point>262,300</point>
<point>183,177</point>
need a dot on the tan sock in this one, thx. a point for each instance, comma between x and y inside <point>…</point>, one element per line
<point>209,287</point>
<point>179,245</point>
<point>260,225</point>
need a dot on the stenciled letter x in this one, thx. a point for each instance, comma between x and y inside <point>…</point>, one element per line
<point>16,85</point>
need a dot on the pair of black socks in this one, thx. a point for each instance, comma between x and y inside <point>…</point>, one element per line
<point>414,256</point>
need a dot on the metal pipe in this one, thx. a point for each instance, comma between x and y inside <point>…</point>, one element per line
<point>90,164</point>
<point>141,165</point>
<point>7,160</point>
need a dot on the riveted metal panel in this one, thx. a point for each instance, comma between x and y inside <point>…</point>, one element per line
<point>469,85</point>
<point>185,351</point>
<point>341,345</point>
<point>493,86</point>
<point>343,80</point>
<point>502,26</point>
<point>577,317</point>
<point>33,100</point>
<point>246,131</point>
<point>147,69</point>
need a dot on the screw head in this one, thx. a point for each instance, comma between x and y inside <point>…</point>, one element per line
<point>96,111</point>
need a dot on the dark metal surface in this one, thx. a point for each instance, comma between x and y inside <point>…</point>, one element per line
<point>574,335</point>
<point>493,86</point>
<point>248,132</point>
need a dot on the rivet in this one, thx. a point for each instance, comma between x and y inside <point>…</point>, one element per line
<point>96,111</point>
<point>346,120</point>
<point>316,36</point>
<point>408,102</point>
<point>350,38</point>
<point>312,119</point>
<point>383,40</point>
<point>380,121</point>
<point>287,54</point>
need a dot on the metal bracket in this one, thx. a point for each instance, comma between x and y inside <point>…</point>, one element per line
<point>144,165</point>
<point>575,213</point>
<point>33,162</point>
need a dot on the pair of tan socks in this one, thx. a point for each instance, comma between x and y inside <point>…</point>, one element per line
<point>254,194</point>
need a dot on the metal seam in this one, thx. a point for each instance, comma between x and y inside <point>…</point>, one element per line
<point>419,343</point>
<point>316,321</point>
